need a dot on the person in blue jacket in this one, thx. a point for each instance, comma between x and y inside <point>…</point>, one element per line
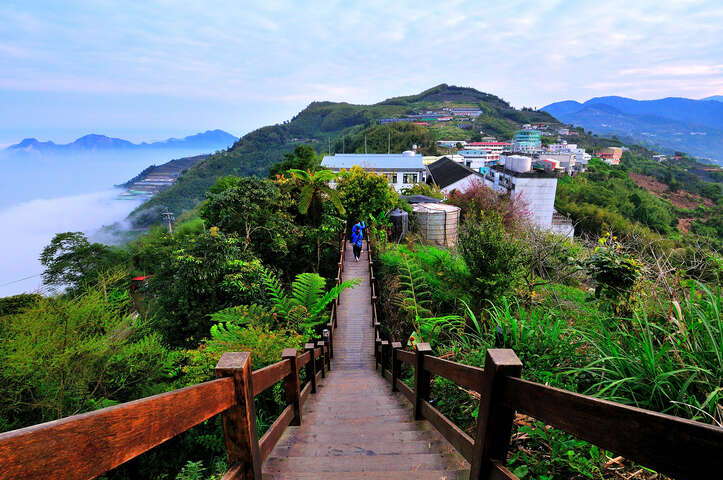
<point>357,237</point>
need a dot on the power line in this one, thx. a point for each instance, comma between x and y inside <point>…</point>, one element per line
<point>22,279</point>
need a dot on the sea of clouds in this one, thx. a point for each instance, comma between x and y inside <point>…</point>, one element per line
<point>29,226</point>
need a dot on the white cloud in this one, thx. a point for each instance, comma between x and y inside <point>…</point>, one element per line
<point>29,227</point>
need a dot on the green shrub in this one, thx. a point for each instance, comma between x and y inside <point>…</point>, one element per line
<point>495,256</point>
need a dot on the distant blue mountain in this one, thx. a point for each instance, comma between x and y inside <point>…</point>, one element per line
<point>716,98</point>
<point>210,141</point>
<point>668,124</point>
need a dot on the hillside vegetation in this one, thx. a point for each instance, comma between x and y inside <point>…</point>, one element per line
<point>323,122</point>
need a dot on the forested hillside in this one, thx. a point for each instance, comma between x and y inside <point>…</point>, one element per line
<point>324,123</point>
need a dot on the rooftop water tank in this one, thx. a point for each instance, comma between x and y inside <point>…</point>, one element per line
<point>518,163</point>
<point>437,223</point>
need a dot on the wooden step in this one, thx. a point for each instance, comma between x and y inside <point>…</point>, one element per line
<point>332,436</point>
<point>369,446</point>
<point>364,463</point>
<point>390,475</point>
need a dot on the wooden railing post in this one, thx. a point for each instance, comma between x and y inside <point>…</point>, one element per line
<point>335,309</point>
<point>330,327</point>
<point>421,379</point>
<point>385,355</point>
<point>494,421</point>
<point>239,421</point>
<point>377,351</point>
<point>311,366</point>
<point>396,365</point>
<point>320,344</point>
<point>291,385</point>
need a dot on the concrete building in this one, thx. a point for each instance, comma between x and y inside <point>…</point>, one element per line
<point>465,112</point>
<point>535,189</point>
<point>527,140</point>
<point>610,155</point>
<point>450,143</point>
<point>478,160</point>
<point>401,169</point>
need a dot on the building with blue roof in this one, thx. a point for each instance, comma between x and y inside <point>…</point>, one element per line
<point>401,169</point>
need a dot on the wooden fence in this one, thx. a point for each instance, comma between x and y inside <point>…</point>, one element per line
<point>681,448</point>
<point>87,445</point>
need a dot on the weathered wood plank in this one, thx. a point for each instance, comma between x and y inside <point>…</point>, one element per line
<point>265,377</point>
<point>464,375</point>
<point>405,357</point>
<point>305,392</point>
<point>303,359</point>
<point>405,390</point>
<point>500,472</point>
<point>674,446</point>
<point>454,435</point>
<point>87,445</point>
<point>272,435</point>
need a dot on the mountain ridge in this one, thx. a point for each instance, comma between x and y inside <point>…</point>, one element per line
<point>669,124</point>
<point>212,139</point>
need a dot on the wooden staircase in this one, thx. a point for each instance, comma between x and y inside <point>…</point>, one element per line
<point>354,427</point>
<point>354,423</point>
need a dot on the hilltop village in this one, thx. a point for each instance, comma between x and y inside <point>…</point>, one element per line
<point>525,166</point>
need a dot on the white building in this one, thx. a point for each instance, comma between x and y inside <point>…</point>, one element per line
<point>450,143</point>
<point>401,169</point>
<point>568,149</point>
<point>535,189</point>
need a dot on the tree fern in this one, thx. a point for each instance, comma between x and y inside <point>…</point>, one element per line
<point>276,294</point>
<point>415,298</point>
<point>307,297</point>
<point>414,291</point>
<point>307,289</point>
<point>318,308</point>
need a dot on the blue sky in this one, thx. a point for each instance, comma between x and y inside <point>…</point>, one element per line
<point>152,69</point>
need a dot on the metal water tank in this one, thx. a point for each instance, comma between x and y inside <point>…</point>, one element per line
<point>400,224</point>
<point>437,223</point>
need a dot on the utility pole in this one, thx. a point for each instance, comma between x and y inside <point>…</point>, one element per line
<point>343,145</point>
<point>169,218</point>
<point>329,145</point>
<point>389,142</point>
<point>365,143</point>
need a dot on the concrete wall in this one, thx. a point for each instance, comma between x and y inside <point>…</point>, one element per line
<point>463,184</point>
<point>538,195</point>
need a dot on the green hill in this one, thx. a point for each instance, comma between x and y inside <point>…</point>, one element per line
<point>324,123</point>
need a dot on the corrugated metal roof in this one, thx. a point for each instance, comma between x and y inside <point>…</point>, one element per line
<point>378,161</point>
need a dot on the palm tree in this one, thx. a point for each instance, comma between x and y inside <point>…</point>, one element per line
<point>314,187</point>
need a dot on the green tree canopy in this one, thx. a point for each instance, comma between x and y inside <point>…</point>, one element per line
<point>364,193</point>
<point>71,260</point>
<point>302,158</point>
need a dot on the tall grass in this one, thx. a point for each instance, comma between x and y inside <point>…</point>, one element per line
<point>673,366</point>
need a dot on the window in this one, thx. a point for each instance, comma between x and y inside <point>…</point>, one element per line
<point>391,177</point>
<point>410,178</point>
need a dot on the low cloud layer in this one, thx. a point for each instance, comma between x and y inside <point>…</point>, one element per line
<point>29,227</point>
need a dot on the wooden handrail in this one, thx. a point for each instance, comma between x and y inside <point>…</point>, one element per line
<point>674,446</point>
<point>464,375</point>
<point>266,377</point>
<point>87,445</point>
